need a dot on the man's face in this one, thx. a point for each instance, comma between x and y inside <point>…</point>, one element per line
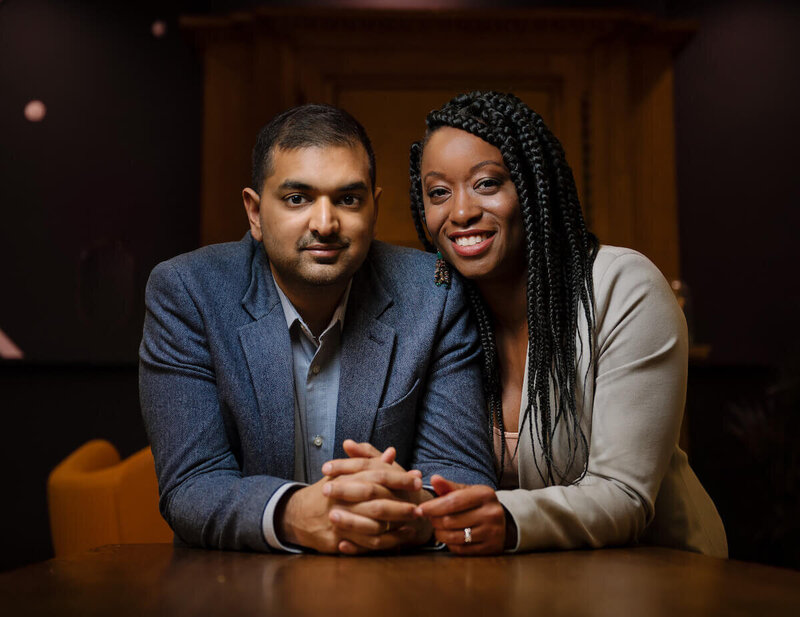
<point>315,216</point>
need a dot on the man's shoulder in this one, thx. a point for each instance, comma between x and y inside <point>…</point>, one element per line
<point>407,274</point>
<point>229,260</point>
<point>401,263</point>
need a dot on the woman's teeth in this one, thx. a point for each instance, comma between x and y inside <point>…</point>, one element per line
<point>470,240</point>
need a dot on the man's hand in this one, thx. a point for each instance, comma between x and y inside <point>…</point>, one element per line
<point>320,518</point>
<point>474,507</point>
<point>381,516</point>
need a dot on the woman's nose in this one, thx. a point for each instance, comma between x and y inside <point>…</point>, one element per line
<point>465,211</point>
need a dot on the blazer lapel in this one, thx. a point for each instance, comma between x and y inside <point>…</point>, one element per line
<point>267,349</point>
<point>367,346</point>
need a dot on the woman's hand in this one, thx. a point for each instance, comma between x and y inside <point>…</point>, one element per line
<point>462,507</point>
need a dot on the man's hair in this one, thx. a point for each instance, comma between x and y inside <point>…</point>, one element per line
<point>559,254</point>
<point>307,126</point>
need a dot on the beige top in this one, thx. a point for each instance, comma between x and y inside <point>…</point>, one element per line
<point>638,486</point>
<point>510,476</point>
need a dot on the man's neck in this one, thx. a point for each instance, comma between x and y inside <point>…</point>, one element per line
<point>315,304</point>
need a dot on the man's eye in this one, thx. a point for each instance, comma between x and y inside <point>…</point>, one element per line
<point>295,200</point>
<point>350,200</point>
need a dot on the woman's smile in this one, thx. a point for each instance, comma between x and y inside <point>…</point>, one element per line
<point>471,243</point>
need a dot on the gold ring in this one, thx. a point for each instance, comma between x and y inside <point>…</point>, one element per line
<point>388,527</point>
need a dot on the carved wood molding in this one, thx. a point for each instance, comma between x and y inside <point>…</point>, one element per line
<point>601,79</point>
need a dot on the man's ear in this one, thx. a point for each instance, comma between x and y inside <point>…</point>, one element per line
<point>376,194</point>
<point>252,205</point>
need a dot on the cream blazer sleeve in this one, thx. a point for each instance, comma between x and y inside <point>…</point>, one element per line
<point>632,410</point>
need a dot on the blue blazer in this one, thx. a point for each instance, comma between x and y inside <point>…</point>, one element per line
<point>217,389</point>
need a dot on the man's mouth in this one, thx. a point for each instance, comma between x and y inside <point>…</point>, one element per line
<point>325,251</point>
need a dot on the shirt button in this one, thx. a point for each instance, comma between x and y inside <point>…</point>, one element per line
<point>318,441</point>
<point>315,369</point>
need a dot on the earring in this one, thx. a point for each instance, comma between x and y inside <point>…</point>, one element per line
<point>441,275</point>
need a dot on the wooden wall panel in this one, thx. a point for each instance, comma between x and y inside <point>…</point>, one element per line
<point>601,80</point>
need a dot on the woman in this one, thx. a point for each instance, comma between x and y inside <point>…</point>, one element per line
<point>585,349</point>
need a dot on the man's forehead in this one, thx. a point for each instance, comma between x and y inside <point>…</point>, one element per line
<point>324,163</point>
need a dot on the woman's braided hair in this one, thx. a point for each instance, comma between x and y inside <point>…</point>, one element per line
<point>559,251</point>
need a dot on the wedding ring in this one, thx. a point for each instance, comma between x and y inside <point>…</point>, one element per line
<point>467,535</point>
<point>388,526</point>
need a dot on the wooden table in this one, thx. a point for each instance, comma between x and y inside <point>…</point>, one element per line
<point>157,579</point>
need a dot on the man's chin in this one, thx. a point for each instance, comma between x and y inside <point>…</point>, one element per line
<point>326,275</point>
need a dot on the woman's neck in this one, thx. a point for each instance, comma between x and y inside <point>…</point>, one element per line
<point>507,300</point>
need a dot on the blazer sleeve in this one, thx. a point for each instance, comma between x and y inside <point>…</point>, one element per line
<point>452,438</point>
<point>639,394</point>
<point>203,494</point>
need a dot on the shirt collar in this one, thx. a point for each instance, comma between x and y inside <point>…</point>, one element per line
<point>292,316</point>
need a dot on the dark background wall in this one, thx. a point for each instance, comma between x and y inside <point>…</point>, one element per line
<point>107,185</point>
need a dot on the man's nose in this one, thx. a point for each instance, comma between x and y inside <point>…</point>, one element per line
<point>465,210</point>
<point>324,218</point>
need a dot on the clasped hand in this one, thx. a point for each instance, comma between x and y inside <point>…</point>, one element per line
<point>364,503</point>
<point>475,507</point>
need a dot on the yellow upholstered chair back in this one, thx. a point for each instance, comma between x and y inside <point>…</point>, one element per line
<point>96,499</point>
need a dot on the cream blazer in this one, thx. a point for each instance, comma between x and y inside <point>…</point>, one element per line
<point>638,486</point>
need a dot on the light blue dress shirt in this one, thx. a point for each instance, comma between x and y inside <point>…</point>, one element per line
<point>316,366</point>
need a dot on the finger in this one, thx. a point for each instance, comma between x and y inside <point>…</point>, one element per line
<point>346,466</point>
<point>355,488</point>
<point>443,486</point>
<point>389,455</point>
<point>353,491</point>
<point>385,510</point>
<point>482,548</point>
<point>348,548</point>
<point>382,542</point>
<point>355,449</point>
<point>459,500</point>
<point>346,521</point>
<point>341,466</point>
<point>490,513</point>
<point>392,478</point>
<point>457,537</point>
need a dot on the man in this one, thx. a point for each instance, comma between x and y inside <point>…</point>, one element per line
<point>260,357</point>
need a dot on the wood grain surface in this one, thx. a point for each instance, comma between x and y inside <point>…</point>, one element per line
<point>158,579</point>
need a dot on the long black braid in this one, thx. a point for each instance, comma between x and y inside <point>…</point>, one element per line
<point>559,252</point>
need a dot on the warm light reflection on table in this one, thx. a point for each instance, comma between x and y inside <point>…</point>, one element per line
<point>159,579</point>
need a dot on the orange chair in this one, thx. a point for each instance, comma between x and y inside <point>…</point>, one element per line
<point>96,499</point>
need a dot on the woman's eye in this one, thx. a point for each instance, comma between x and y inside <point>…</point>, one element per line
<point>487,184</point>
<point>437,193</point>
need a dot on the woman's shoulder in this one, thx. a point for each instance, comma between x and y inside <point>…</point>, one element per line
<point>618,266</point>
<point>629,288</point>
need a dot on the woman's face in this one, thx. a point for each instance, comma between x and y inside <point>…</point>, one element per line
<point>471,205</point>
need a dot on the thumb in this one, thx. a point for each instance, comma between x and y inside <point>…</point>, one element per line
<point>442,486</point>
<point>359,450</point>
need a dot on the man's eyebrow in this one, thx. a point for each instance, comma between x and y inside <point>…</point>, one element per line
<point>353,186</point>
<point>295,185</point>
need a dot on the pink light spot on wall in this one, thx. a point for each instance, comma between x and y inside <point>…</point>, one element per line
<point>8,349</point>
<point>35,111</point>
<point>159,28</point>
